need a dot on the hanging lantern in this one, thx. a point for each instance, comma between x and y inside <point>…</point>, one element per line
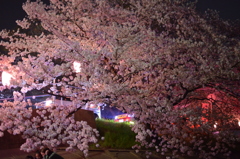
<point>6,78</point>
<point>212,97</point>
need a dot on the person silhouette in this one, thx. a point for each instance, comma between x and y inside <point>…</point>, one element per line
<point>49,154</point>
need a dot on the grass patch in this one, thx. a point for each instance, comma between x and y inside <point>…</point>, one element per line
<point>116,135</point>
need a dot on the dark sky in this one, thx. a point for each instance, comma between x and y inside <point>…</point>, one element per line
<point>228,9</point>
<point>11,10</point>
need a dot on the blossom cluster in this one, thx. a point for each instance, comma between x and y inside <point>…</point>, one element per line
<point>154,59</point>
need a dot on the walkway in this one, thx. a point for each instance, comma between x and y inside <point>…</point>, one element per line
<point>93,154</point>
<point>97,154</point>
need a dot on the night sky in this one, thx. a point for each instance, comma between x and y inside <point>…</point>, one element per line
<point>11,10</point>
<point>228,9</point>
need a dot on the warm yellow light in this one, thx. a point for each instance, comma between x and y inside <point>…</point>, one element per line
<point>6,78</point>
<point>131,122</point>
<point>77,66</point>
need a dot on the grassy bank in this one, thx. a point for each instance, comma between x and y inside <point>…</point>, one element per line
<point>116,135</point>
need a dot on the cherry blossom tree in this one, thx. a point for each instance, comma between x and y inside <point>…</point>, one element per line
<point>157,59</point>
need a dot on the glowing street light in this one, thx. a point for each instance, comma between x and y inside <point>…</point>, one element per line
<point>77,66</point>
<point>215,125</point>
<point>48,103</point>
<point>6,78</point>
